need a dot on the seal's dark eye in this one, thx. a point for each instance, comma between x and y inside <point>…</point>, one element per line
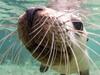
<point>78,25</point>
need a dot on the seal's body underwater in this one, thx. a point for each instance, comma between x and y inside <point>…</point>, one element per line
<point>56,39</point>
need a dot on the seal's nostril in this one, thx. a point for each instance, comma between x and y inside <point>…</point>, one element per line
<point>78,25</point>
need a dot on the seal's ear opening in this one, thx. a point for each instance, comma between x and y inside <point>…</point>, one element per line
<point>78,25</point>
<point>30,13</point>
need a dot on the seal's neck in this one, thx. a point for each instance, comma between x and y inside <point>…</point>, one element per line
<point>57,4</point>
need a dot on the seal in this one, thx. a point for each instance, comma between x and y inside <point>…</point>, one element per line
<point>56,39</point>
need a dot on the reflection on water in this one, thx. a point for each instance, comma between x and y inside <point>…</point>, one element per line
<point>14,58</point>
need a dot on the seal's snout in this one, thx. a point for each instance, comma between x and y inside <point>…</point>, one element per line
<point>30,13</point>
<point>44,31</point>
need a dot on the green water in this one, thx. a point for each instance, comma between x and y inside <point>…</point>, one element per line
<point>16,61</point>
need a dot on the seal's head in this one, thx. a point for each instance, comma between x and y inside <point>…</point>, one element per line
<point>48,33</point>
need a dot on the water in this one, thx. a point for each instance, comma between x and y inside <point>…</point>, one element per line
<point>15,59</point>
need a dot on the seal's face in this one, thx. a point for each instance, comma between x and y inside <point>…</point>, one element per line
<point>45,28</point>
<point>60,26</point>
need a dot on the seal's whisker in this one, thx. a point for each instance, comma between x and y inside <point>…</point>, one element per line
<point>53,57</point>
<point>33,37</point>
<point>55,54</point>
<point>84,17</point>
<point>61,15</point>
<point>55,50</point>
<point>41,40</point>
<point>65,63</point>
<point>64,48</point>
<point>39,21</point>
<point>45,55</point>
<point>11,18</point>
<point>6,53</point>
<point>9,35</point>
<point>94,14</point>
<point>98,70</point>
<point>92,50</point>
<point>39,26</point>
<point>65,54</point>
<point>87,56</point>
<point>75,58</point>
<point>93,26</point>
<point>67,67</point>
<point>2,42</point>
<point>94,34</point>
<point>7,26</point>
<point>36,34</point>
<point>68,61</point>
<point>60,62</point>
<point>96,42</point>
<point>12,57</point>
<point>42,50</point>
<point>51,50</point>
<point>17,56</point>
